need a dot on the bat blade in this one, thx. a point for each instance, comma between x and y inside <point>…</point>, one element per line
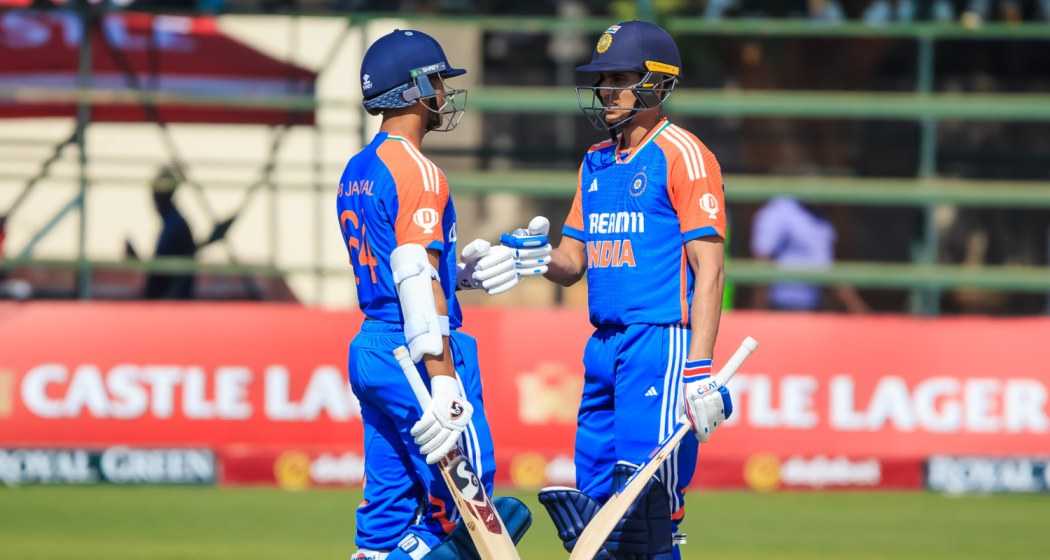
<point>487,531</point>
<point>597,531</point>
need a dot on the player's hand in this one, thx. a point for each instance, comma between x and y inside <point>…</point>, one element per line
<point>531,246</point>
<point>471,254</point>
<point>438,430</point>
<point>705,409</point>
<point>486,267</point>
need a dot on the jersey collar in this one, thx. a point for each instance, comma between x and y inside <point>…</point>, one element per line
<point>660,126</point>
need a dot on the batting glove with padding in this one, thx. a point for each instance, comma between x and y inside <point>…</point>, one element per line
<point>438,430</point>
<point>706,410</point>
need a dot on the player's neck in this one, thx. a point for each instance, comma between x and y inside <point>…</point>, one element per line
<point>410,126</point>
<point>635,132</point>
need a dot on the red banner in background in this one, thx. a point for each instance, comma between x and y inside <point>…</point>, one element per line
<point>826,401</point>
<point>155,53</point>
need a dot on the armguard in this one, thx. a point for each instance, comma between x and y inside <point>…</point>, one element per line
<point>412,274</point>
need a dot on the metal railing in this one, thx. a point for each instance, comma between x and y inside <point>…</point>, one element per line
<point>923,105</point>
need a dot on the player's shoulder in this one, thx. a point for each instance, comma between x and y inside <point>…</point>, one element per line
<point>599,146</point>
<point>599,155</point>
<point>408,166</point>
<point>681,141</point>
<point>679,144</point>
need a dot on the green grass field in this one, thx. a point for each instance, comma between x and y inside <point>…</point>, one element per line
<point>110,523</point>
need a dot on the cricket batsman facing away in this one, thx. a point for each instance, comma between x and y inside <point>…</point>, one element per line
<point>647,226</point>
<point>399,226</point>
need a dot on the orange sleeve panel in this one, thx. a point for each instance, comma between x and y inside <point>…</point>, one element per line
<point>694,184</point>
<point>574,221</point>
<point>422,194</point>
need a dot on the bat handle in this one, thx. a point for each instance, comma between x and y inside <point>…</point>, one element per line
<point>729,369</point>
<point>408,367</point>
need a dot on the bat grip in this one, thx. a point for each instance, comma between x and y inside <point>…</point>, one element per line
<point>729,369</point>
<point>408,367</point>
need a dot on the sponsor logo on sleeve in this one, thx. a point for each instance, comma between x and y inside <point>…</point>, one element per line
<point>427,219</point>
<point>709,204</point>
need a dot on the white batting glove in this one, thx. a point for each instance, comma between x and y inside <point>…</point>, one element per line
<point>486,267</point>
<point>531,246</point>
<point>471,254</point>
<point>438,430</point>
<point>706,409</point>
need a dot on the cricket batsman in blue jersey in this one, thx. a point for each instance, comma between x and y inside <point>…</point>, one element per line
<point>399,226</point>
<point>647,227</point>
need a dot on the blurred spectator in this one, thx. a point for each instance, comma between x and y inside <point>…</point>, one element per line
<point>795,235</point>
<point>882,12</point>
<point>977,237</point>
<point>825,11</point>
<point>175,240</point>
<point>211,6</point>
<point>717,9</point>
<point>1008,11</point>
<point>13,288</point>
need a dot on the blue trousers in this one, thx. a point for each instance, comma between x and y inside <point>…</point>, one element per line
<point>402,493</point>
<point>630,397</point>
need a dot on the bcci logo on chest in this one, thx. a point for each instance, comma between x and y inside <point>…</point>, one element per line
<point>638,184</point>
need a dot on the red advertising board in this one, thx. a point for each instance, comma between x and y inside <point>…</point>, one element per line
<point>826,401</point>
<point>157,53</point>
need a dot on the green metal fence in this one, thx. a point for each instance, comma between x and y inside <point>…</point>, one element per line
<point>925,106</point>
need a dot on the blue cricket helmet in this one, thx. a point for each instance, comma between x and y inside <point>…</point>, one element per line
<point>396,69</point>
<point>631,46</point>
<point>635,46</point>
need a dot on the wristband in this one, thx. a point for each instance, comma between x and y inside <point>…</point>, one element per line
<point>695,370</point>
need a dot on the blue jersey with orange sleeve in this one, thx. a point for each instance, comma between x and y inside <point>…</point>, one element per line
<point>635,210</point>
<point>390,194</point>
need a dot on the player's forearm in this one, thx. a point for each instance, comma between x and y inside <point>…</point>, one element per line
<point>706,313</point>
<point>708,263</point>
<point>439,365</point>
<point>567,263</point>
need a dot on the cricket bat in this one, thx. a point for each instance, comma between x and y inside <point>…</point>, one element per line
<point>597,531</point>
<point>483,522</point>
